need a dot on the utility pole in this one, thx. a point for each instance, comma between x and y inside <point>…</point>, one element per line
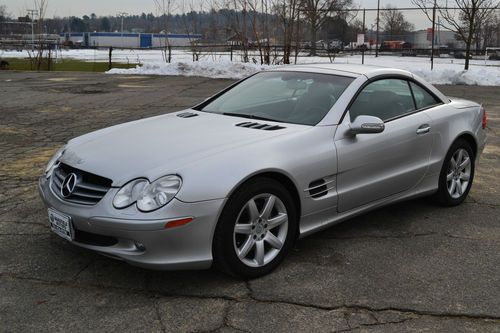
<point>32,12</point>
<point>378,27</point>
<point>122,15</point>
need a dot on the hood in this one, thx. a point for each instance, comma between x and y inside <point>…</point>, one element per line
<point>159,146</point>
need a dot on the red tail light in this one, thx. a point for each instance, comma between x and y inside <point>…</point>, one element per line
<point>484,117</point>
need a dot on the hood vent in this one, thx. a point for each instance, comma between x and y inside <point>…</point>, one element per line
<point>264,127</point>
<point>187,115</point>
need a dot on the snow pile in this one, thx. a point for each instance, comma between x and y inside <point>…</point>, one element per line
<point>446,71</point>
<point>480,76</point>
<point>221,69</point>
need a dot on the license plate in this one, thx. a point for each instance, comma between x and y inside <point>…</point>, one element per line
<point>61,224</point>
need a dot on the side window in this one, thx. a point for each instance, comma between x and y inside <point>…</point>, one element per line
<point>422,98</point>
<point>386,99</point>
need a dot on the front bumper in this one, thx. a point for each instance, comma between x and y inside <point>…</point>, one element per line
<point>140,238</point>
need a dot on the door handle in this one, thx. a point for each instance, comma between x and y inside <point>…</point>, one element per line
<point>423,129</point>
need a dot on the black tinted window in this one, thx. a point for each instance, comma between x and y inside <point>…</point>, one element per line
<point>384,99</point>
<point>422,97</point>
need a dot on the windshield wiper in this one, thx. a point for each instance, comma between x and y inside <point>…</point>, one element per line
<point>251,116</point>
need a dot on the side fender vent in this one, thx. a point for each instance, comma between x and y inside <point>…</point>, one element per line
<point>187,115</point>
<point>264,127</point>
<point>320,187</point>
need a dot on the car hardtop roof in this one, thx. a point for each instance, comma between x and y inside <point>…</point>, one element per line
<point>352,70</point>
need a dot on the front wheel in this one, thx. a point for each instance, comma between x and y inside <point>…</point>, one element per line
<point>457,174</point>
<point>256,229</point>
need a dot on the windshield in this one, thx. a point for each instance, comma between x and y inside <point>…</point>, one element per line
<point>290,97</point>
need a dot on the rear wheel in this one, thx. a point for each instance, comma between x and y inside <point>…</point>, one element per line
<point>457,174</point>
<point>256,229</point>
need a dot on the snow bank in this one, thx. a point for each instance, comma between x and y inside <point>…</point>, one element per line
<point>443,73</point>
<point>446,70</point>
<point>221,69</point>
<point>479,76</point>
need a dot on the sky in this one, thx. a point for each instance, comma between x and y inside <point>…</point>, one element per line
<point>64,8</point>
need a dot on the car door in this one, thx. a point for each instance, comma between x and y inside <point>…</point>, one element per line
<point>374,166</point>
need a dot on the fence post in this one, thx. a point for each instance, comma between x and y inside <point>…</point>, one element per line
<point>231,48</point>
<point>363,47</point>
<point>110,66</point>
<point>50,59</point>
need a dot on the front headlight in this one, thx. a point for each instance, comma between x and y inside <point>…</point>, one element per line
<point>129,193</point>
<point>52,162</point>
<point>148,196</point>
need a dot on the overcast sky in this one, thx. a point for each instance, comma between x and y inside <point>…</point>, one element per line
<point>112,7</point>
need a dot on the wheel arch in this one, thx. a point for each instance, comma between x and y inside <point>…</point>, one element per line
<point>470,139</point>
<point>281,177</point>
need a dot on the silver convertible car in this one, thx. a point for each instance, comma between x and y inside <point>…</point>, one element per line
<point>235,180</point>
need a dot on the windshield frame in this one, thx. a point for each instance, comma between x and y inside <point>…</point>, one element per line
<point>202,105</point>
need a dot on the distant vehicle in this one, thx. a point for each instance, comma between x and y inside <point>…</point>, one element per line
<point>390,45</point>
<point>494,56</point>
<point>330,46</point>
<point>335,45</point>
<point>284,153</point>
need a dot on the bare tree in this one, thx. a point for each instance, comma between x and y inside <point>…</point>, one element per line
<point>191,25</point>
<point>287,11</point>
<point>464,20</point>
<point>317,11</point>
<point>4,15</point>
<point>490,32</point>
<point>36,56</point>
<point>394,22</point>
<point>165,8</point>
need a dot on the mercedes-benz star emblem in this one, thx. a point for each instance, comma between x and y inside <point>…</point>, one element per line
<point>68,185</point>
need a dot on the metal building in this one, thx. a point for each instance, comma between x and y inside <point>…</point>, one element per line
<point>128,40</point>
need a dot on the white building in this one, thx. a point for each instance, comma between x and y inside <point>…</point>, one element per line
<point>443,38</point>
<point>128,40</point>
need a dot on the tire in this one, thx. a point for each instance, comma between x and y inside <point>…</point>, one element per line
<point>447,194</point>
<point>242,225</point>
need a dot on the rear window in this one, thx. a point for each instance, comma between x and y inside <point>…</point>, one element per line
<point>422,98</point>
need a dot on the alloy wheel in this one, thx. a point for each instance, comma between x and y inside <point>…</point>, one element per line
<point>459,173</point>
<point>260,230</point>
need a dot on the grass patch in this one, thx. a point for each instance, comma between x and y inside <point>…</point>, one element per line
<point>66,65</point>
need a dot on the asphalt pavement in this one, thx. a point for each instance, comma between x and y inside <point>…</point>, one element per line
<point>412,266</point>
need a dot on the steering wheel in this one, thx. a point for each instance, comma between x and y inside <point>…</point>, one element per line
<point>309,112</point>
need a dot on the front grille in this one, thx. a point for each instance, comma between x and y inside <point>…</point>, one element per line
<point>89,189</point>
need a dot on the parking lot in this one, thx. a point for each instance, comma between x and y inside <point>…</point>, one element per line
<point>409,267</point>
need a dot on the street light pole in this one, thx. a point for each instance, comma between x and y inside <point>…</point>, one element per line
<point>122,15</point>
<point>378,27</point>
<point>32,12</point>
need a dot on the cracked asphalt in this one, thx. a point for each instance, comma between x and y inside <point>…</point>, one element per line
<point>413,266</point>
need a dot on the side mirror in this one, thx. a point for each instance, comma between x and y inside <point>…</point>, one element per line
<point>367,125</point>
